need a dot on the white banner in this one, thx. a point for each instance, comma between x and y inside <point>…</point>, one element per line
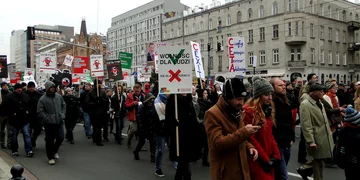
<point>29,72</point>
<point>144,74</point>
<point>68,60</point>
<point>198,64</point>
<point>97,65</point>
<point>47,63</point>
<point>236,52</point>
<point>157,45</point>
<point>175,70</point>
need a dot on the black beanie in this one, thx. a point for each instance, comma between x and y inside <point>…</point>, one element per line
<point>18,86</point>
<point>31,84</point>
<point>234,88</point>
<point>309,76</point>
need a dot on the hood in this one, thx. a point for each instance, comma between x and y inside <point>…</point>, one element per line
<point>48,85</point>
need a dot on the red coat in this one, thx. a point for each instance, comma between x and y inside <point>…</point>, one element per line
<point>131,107</point>
<point>265,144</point>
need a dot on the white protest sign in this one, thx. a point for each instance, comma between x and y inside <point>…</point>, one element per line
<point>29,72</point>
<point>157,45</point>
<point>236,51</point>
<point>97,66</point>
<point>68,60</point>
<point>175,69</point>
<point>199,68</point>
<point>47,63</point>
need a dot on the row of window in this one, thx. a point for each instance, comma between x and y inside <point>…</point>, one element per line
<point>330,57</point>
<point>143,13</point>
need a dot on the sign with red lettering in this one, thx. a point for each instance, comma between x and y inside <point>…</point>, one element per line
<point>199,68</point>
<point>236,52</point>
<point>81,66</point>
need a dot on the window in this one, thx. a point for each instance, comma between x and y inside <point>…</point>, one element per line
<point>239,34</point>
<point>186,30</point>
<point>210,24</point>
<point>211,63</point>
<point>228,20</point>
<point>275,31</point>
<point>211,42</point>
<point>321,32</point>
<point>251,36</point>
<point>330,57</point>
<point>251,58</point>
<point>337,14</point>
<point>262,34</point>
<point>356,17</point>
<point>202,45</point>
<point>238,16</point>
<point>311,30</point>
<point>330,34</point>
<point>298,54</point>
<point>329,11</point>
<point>178,32</point>
<point>220,64</point>
<point>344,59</point>
<point>322,57</point>
<point>302,28</point>
<point>201,27</point>
<point>337,57</point>
<point>289,5</point>
<point>337,35</point>
<point>262,57</point>
<point>228,35</point>
<point>344,15</point>
<point>250,14</point>
<point>275,55</point>
<point>171,33</point>
<point>261,11</point>
<point>275,8</point>
<point>296,28</point>
<point>311,7</point>
<point>321,10</point>
<point>296,2</point>
<point>344,37</point>
<point>292,55</point>
<point>312,52</point>
<point>289,27</point>
<point>193,28</point>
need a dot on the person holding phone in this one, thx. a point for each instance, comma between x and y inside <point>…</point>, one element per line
<point>228,136</point>
<point>260,111</point>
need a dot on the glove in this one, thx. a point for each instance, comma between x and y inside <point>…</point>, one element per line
<point>268,165</point>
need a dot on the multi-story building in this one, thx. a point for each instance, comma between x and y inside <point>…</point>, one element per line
<point>292,36</point>
<point>15,45</point>
<point>132,30</point>
<point>45,35</point>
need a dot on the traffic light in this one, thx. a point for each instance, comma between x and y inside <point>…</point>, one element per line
<point>30,33</point>
<point>218,46</point>
<point>208,47</point>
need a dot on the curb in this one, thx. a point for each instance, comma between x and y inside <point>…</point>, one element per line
<point>9,162</point>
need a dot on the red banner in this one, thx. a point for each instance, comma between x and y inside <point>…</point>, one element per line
<point>15,77</point>
<point>81,65</point>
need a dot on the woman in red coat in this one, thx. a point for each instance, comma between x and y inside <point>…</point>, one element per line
<point>260,111</point>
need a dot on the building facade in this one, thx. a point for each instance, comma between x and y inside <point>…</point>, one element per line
<point>15,45</point>
<point>292,36</point>
<point>131,31</point>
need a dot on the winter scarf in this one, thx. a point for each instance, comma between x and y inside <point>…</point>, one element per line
<point>160,104</point>
<point>332,96</point>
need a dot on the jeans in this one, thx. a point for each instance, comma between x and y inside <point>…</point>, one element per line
<point>27,138</point>
<point>119,123</point>
<point>87,124</point>
<point>54,136</point>
<point>160,146</point>
<point>281,171</point>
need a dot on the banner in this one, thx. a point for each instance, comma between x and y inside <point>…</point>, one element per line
<point>3,66</point>
<point>68,60</point>
<point>81,66</point>
<point>114,70</point>
<point>63,78</point>
<point>157,45</point>
<point>236,52</point>
<point>29,72</point>
<point>97,66</point>
<point>199,68</point>
<point>47,63</point>
<point>15,77</point>
<point>175,70</point>
<point>126,59</point>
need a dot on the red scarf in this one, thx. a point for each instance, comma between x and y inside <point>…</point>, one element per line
<point>334,101</point>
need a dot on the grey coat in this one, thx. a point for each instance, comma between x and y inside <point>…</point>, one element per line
<point>51,108</point>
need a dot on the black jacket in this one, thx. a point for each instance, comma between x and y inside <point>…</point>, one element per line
<point>283,131</point>
<point>4,96</point>
<point>98,106</point>
<point>115,104</point>
<point>72,106</point>
<point>146,117</point>
<point>34,99</point>
<point>17,109</point>
<point>84,97</point>
<point>341,96</point>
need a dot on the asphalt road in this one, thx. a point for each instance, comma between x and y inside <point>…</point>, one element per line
<point>84,160</point>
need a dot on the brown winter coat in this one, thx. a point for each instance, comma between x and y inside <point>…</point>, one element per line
<point>228,145</point>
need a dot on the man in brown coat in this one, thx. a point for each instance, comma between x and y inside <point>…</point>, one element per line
<point>227,135</point>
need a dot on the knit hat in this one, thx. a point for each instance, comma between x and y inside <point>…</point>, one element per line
<point>3,84</point>
<point>316,87</point>
<point>17,86</point>
<point>261,86</point>
<point>234,88</point>
<point>247,85</point>
<point>23,84</point>
<point>31,84</point>
<point>352,116</point>
<point>148,97</point>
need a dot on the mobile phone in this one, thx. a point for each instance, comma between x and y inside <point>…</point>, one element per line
<point>261,123</point>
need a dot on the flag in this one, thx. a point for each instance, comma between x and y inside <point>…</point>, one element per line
<point>114,70</point>
<point>3,66</point>
<point>62,78</point>
<point>170,14</point>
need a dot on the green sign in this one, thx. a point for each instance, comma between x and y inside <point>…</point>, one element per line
<point>126,59</point>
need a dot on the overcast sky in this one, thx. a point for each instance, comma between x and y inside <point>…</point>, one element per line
<point>18,14</point>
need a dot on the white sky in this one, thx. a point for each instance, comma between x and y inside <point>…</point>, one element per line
<point>18,14</point>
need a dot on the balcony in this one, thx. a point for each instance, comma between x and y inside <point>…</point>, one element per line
<point>353,47</point>
<point>296,63</point>
<point>295,40</point>
<point>353,25</point>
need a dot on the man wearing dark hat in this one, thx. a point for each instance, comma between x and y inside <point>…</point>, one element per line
<point>316,130</point>
<point>35,124</point>
<point>228,136</point>
<point>17,108</point>
<point>3,117</point>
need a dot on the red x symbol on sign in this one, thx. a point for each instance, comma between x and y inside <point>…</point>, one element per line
<point>175,75</point>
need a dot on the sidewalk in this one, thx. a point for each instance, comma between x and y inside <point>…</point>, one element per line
<point>6,162</point>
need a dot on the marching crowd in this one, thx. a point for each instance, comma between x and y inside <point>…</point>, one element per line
<point>241,130</point>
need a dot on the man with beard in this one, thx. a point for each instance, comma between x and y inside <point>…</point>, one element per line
<point>51,110</point>
<point>283,132</point>
<point>3,116</point>
<point>35,124</point>
<point>228,136</point>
